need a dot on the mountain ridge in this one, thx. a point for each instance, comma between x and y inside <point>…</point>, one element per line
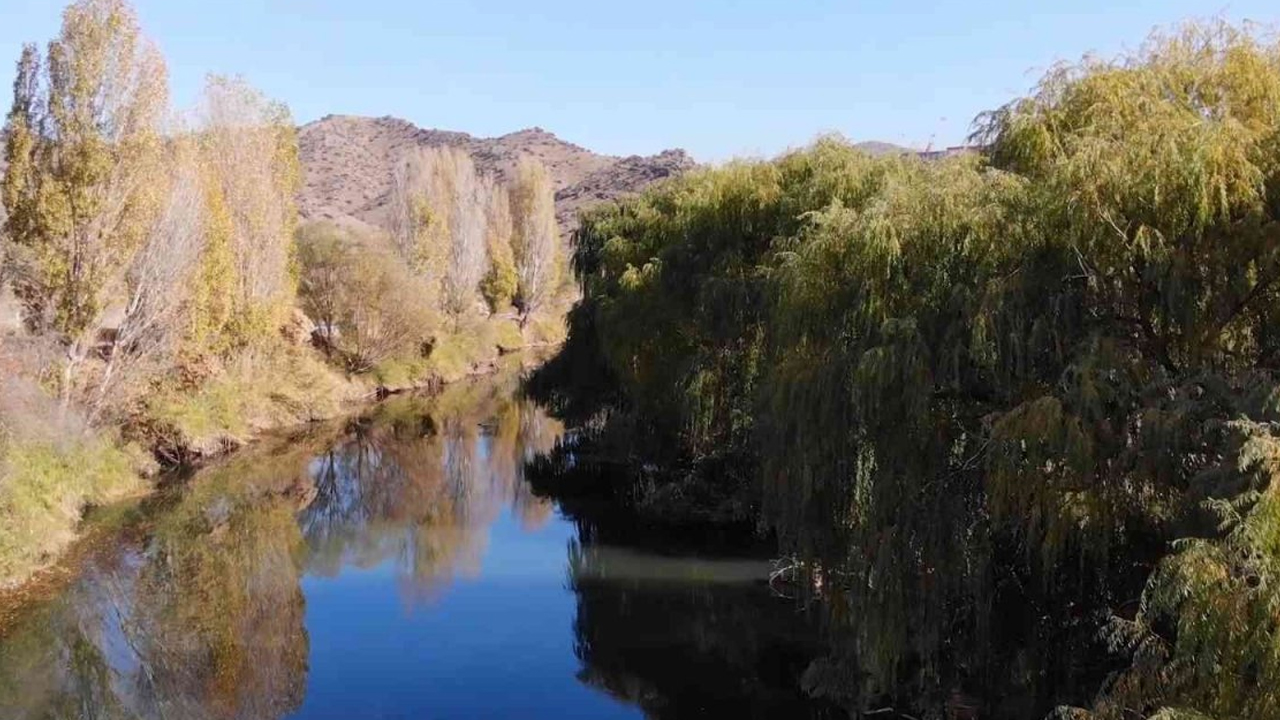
<point>348,161</point>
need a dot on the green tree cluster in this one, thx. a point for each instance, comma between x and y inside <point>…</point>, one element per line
<point>1041,375</point>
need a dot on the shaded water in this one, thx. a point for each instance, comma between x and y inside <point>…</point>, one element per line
<point>398,567</point>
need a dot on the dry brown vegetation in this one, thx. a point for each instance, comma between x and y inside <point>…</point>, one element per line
<point>363,298</point>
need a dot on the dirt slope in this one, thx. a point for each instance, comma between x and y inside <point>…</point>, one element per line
<point>347,164</point>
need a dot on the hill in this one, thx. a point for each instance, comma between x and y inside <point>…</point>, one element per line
<point>876,148</point>
<point>347,166</point>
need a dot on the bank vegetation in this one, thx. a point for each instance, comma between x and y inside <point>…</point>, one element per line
<point>162,301</point>
<point>1011,415</point>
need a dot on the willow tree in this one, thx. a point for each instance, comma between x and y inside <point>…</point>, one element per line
<point>84,147</point>
<point>535,239</point>
<point>249,156</point>
<point>1155,180</point>
<point>1020,379</point>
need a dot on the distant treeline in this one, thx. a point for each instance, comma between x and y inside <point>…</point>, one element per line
<point>1012,415</point>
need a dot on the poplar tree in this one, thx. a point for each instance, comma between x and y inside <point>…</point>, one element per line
<point>415,221</point>
<point>438,221</point>
<point>535,239</point>
<point>18,185</point>
<point>84,145</point>
<point>500,283</point>
<point>251,174</point>
<point>465,210</point>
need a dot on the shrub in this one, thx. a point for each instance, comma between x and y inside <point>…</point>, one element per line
<point>367,304</point>
<point>271,386</point>
<point>51,466</point>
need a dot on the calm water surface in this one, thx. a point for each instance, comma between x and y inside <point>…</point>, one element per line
<point>398,566</point>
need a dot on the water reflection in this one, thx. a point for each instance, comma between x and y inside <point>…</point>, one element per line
<point>419,491</point>
<point>396,566</point>
<point>203,619</point>
<point>647,625</point>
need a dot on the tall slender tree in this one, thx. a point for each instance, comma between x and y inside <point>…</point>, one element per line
<point>416,230</point>
<point>18,185</point>
<point>249,153</point>
<point>157,287</point>
<point>468,256</point>
<point>535,239</point>
<point>438,222</point>
<point>500,283</point>
<point>84,144</point>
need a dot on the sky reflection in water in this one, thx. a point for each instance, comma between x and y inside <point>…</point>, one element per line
<point>395,567</point>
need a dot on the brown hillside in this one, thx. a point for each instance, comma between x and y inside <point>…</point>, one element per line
<point>347,166</point>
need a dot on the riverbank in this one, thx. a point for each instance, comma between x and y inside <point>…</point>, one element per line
<point>55,467</point>
<point>290,385</point>
<point>231,592</point>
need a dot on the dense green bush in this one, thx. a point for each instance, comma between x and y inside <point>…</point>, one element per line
<point>1042,375</point>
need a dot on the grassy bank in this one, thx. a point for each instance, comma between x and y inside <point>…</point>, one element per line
<point>53,465</point>
<point>287,385</point>
<point>46,485</point>
<point>275,388</point>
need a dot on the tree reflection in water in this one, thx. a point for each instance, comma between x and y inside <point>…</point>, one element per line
<point>690,638</point>
<point>194,606</point>
<point>420,485</point>
<point>196,614</point>
<point>197,610</point>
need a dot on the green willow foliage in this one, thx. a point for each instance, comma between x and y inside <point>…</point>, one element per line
<point>1053,363</point>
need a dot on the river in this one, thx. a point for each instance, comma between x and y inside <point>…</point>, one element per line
<point>397,565</point>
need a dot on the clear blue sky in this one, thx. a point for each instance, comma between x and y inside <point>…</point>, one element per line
<point>718,78</point>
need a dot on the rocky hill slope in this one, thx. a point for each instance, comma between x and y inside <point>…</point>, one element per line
<point>347,165</point>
